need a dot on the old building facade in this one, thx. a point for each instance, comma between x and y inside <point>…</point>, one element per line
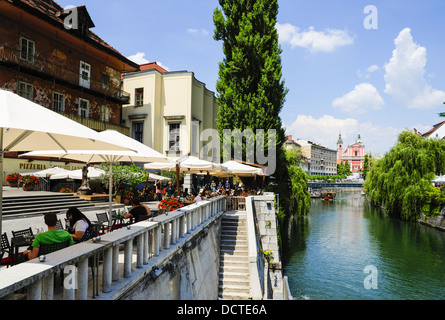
<point>168,111</point>
<point>354,154</point>
<point>50,56</point>
<point>322,160</point>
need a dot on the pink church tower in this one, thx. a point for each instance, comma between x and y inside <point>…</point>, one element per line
<point>339,149</point>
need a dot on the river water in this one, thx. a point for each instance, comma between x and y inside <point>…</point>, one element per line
<point>347,250</point>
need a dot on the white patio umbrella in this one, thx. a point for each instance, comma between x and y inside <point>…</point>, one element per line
<point>27,126</point>
<point>187,164</point>
<point>93,173</point>
<point>46,173</point>
<point>242,170</point>
<point>155,177</point>
<point>142,153</point>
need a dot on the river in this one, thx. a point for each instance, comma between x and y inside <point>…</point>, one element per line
<point>347,250</point>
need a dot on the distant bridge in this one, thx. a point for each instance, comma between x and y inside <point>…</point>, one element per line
<point>334,185</point>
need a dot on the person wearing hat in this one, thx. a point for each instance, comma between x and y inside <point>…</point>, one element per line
<point>170,190</point>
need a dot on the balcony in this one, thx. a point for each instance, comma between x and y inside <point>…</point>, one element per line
<point>98,125</point>
<point>49,70</point>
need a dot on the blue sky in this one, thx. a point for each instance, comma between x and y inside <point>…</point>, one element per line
<point>341,76</point>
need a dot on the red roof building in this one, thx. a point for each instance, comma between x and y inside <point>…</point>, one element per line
<point>50,56</point>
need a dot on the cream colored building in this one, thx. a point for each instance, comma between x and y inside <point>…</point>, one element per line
<point>323,161</point>
<point>169,110</point>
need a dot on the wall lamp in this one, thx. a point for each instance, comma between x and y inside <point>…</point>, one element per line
<point>155,273</point>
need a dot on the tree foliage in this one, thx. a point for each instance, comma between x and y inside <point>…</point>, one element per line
<point>250,88</point>
<point>251,91</point>
<point>121,175</point>
<point>344,169</point>
<point>401,181</point>
<point>300,196</point>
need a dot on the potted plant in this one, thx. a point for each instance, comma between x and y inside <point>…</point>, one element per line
<point>66,190</point>
<point>28,182</point>
<point>127,196</point>
<point>170,204</point>
<point>13,180</point>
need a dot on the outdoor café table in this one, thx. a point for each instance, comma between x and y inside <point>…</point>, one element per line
<point>117,221</point>
<point>17,243</point>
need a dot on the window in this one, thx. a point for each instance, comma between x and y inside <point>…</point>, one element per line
<point>84,108</point>
<point>27,49</point>
<point>138,131</point>
<point>58,102</point>
<point>174,137</point>
<point>139,95</point>
<point>25,90</point>
<point>195,137</point>
<point>105,114</point>
<point>105,81</point>
<point>85,74</point>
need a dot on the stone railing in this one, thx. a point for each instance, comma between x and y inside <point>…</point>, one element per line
<point>152,238</point>
<point>236,203</point>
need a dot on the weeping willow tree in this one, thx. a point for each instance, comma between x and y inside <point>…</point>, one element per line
<point>401,181</point>
<point>301,198</point>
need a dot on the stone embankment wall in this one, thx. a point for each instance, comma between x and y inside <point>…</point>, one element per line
<point>437,222</point>
<point>191,272</point>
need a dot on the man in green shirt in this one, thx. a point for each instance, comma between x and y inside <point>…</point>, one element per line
<point>51,236</point>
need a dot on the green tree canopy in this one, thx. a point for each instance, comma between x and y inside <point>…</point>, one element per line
<point>250,88</point>
<point>401,180</point>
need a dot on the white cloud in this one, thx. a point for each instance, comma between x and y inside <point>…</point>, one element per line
<point>139,58</point>
<point>373,68</point>
<point>198,31</point>
<point>363,98</point>
<point>405,75</point>
<point>314,41</point>
<point>325,130</point>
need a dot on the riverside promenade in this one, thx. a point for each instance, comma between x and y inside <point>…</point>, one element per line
<point>35,221</point>
<point>175,256</point>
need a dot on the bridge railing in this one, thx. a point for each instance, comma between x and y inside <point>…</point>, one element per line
<point>151,238</point>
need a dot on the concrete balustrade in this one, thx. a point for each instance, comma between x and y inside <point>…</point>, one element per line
<point>151,238</point>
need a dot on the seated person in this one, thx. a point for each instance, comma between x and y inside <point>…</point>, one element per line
<point>139,210</point>
<point>189,199</point>
<point>51,236</point>
<point>81,227</point>
<point>198,198</point>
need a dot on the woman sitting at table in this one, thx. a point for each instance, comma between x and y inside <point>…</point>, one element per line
<point>81,227</point>
<point>139,211</point>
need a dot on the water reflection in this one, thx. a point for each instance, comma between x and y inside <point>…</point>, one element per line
<point>324,254</point>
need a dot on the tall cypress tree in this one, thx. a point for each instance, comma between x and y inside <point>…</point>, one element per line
<point>250,88</point>
<point>251,91</point>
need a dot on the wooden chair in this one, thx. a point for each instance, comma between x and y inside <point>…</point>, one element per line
<point>22,233</point>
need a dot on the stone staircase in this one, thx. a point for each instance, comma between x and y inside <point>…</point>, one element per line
<point>234,281</point>
<point>41,203</point>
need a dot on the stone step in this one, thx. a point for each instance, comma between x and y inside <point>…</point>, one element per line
<point>233,296</point>
<point>234,283</point>
<point>234,289</point>
<point>239,282</point>
<point>234,275</point>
